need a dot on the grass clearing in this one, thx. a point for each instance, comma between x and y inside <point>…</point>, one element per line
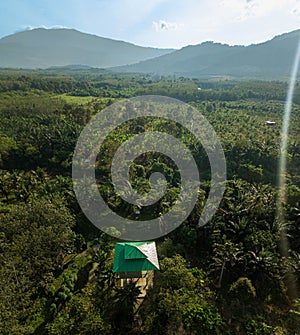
<point>70,99</point>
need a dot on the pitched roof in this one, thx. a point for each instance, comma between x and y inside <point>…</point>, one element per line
<point>135,256</point>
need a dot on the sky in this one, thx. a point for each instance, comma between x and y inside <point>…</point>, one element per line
<point>157,23</point>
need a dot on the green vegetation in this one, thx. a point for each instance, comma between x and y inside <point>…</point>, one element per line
<point>44,48</point>
<point>271,60</point>
<point>227,277</point>
<point>74,50</point>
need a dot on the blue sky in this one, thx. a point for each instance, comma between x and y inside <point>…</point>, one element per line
<point>159,23</point>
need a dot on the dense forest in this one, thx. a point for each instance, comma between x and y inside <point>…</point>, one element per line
<point>227,277</point>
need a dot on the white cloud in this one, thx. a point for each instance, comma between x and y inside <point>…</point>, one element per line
<point>29,27</point>
<point>166,25</point>
<point>129,12</point>
<point>23,28</point>
<point>160,23</point>
<point>226,21</point>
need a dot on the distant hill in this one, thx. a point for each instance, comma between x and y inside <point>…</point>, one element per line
<point>43,48</point>
<point>271,59</point>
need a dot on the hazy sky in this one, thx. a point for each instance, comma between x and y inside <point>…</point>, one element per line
<point>161,23</point>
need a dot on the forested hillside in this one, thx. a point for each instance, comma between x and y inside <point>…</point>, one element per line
<point>272,60</point>
<point>43,48</point>
<point>227,277</point>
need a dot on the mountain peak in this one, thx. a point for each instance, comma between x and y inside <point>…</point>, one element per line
<point>43,48</point>
<point>272,59</point>
<point>58,47</point>
<point>291,34</point>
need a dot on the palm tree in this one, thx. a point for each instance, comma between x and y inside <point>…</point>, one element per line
<point>124,307</point>
<point>226,254</point>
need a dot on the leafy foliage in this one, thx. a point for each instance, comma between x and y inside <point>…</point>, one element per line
<point>228,277</point>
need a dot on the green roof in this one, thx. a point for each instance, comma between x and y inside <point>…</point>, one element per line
<point>135,256</point>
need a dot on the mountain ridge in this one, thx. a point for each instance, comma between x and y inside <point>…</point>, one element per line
<point>43,48</point>
<point>270,59</point>
<point>60,47</point>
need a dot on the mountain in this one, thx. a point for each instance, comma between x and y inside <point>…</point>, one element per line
<point>271,59</point>
<point>43,48</point>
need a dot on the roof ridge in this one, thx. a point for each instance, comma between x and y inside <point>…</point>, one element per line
<point>149,249</point>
